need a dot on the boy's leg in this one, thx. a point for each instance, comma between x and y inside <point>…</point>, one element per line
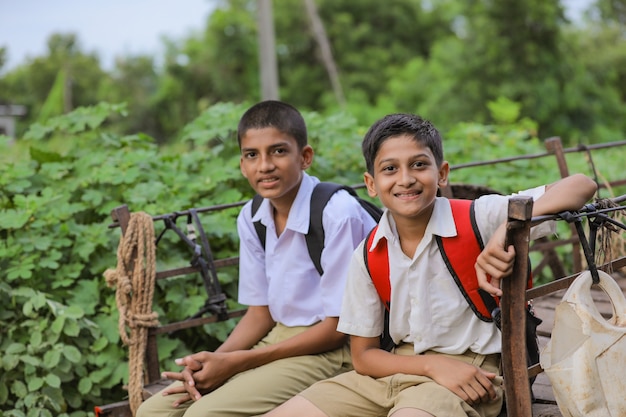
<point>297,405</point>
<point>422,393</point>
<point>346,395</point>
<point>161,406</point>
<point>354,395</point>
<point>410,412</point>
<point>260,390</point>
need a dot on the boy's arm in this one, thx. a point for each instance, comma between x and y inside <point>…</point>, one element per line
<point>467,381</point>
<point>569,193</point>
<point>252,327</point>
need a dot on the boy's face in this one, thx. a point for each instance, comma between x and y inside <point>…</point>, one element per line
<point>406,177</point>
<point>273,164</point>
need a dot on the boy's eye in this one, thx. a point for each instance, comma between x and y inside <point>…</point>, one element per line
<point>389,168</point>
<point>249,155</point>
<point>279,151</point>
<point>419,164</point>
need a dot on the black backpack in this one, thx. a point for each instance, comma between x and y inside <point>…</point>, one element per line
<point>319,198</point>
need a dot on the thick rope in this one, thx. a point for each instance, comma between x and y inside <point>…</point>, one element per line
<point>134,279</point>
<point>611,239</point>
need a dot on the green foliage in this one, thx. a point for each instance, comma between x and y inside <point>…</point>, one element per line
<point>54,211</point>
<point>59,183</point>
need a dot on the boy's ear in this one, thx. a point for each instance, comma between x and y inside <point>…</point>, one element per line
<point>307,157</point>
<point>369,183</point>
<point>444,172</point>
<point>243,171</point>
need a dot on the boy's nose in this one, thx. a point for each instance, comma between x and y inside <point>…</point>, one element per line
<point>266,163</point>
<point>406,177</point>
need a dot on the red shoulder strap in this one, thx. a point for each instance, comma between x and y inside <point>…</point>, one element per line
<point>377,263</point>
<point>460,252</point>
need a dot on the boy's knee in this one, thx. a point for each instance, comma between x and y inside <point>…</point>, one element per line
<point>159,405</point>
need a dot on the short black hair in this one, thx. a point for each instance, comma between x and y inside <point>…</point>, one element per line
<point>399,124</point>
<point>277,114</point>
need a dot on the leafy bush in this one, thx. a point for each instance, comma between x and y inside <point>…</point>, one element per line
<point>58,185</point>
<point>59,321</point>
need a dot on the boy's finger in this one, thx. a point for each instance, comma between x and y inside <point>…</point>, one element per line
<point>173,375</point>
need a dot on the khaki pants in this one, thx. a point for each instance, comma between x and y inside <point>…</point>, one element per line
<point>258,390</point>
<point>355,395</point>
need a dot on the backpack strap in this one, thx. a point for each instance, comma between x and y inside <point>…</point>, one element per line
<point>460,252</point>
<point>377,264</point>
<point>315,237</point>
<point>260,228</point>
<point>320,196</point>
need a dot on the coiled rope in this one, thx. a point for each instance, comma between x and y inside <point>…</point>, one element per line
<point>134,279</point>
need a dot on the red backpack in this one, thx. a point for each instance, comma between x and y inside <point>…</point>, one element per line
<point>458,252</point>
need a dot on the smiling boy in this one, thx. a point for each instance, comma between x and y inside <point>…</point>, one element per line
<point>287,339</point>
<point>446,360</point>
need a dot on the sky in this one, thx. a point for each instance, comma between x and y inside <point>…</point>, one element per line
<point>110,28</point>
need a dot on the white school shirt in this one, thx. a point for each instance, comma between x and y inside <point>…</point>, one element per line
<point>427,307</point>
<point>283,276</point>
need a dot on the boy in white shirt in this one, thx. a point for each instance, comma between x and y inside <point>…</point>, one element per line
<point>446,360</point>
<point>287,339</point>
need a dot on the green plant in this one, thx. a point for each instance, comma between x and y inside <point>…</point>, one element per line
<point>59,183</point>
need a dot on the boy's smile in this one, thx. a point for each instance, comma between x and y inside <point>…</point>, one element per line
<point>273,164</point>
<point>406,177</point>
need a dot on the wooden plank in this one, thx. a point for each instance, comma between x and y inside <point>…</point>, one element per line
<point>513,306</point>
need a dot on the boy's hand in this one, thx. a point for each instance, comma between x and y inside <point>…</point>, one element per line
<point>495,261</point>
<point>471,383</point>
<point>203,372</point>
<point>186,377</point>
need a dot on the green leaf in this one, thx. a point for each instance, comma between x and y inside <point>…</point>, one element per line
<point>72,354</point>
<point>35,339</point>
<point>35,383</point>
<point>51,358</point>
<point>57,324</point>
<point>84,386</point>
<point>15,348</point>
<point>23,270</point>
<point>39,301</point>
<point>12,219</point>
<point>53,380</point>
<point>27,309</point>
<point>31,360</point>
<point>99,344</point>
<point>74,312</point>
<point>43,156</point>
<point>71,328</point>
<point>37,131</point>
<point>9,362</point>
<point>39,412</point>
<point>19,388</point>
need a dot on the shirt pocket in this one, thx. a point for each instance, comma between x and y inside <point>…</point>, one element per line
<point>447,302</point>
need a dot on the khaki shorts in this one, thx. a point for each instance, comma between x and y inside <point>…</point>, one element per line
<point>258,390</point>
<point>355,395</point>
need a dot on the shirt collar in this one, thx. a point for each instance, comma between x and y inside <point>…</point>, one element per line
<point>300,211</point>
